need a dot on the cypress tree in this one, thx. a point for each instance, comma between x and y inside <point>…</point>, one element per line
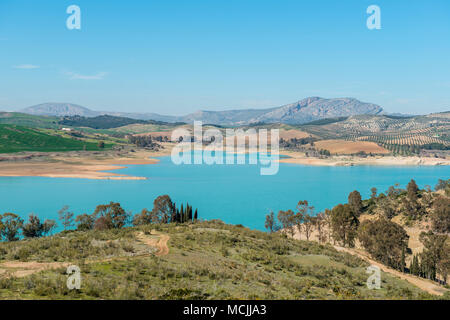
<point>173,217</point>
<point>195,215</point>
<point>182,213</point>
<point>178,216</point>
<point>190,214</point>
<point>403,262</point>
<point>414,267</point>
<point>186,215</point>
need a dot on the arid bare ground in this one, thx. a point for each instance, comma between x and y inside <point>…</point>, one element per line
<point>300,158</point>
<point>350,147</point>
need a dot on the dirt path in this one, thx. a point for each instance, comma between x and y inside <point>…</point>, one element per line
<point>160,243</point>
<point>20,269</point>
<point>423,284</point>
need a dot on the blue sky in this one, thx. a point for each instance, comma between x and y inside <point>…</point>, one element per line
<point>175,57</point>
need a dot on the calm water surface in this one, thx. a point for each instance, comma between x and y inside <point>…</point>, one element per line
<point>235,194</point>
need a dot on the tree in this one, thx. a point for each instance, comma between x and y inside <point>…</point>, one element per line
<point>195,215</point>
<point>34,228</point>
<point>144,218</point>
<point>48,227</point>
<point>328,224</point>
<point>385,241</point>
<point>308,225</point>
<point>270,223</point>
<point>163,208</point>
<point>344,224</point>
<point>10,224</point>
<point>393,192</point>
<point>440,216</point>
<point>85,222</point>
<point>102,223</point>
<point>412,207</point>
<point>442,184</point>
<point>435,256</point>
<point>414,267</point>
<point>114,215</point>
<point>355,202</point>
<point>287,220</point>
<point>190,213</point>
<point>182,215</point>
<point>412,191</point>
<point>101,144</point>
<point>373,194</point>
<point>300,218</point>
<point>387,207</point>
<point>174,217</point>
<point>320,223</point>
<point>66,217</point>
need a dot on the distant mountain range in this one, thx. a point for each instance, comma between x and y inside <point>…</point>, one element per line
<point>306,110</point>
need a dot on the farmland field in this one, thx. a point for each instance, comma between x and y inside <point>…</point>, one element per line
<point>18,138</point>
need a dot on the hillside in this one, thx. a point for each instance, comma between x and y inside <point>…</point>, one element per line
<point>104,122</point>
<point>203,260</point>
<point>59,110</point>
<point>401,135</point>
<point>306,110</point>
<point>28,120</point>
<point>18,138</point>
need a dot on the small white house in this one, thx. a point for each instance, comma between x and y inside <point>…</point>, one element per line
<point>66,129</point>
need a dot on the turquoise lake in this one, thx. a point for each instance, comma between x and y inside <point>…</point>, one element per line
<point>236,194</point>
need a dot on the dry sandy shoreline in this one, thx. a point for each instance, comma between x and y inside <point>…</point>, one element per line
<point>297,158</point>
<point>92,165</point>
<point>80,165</point>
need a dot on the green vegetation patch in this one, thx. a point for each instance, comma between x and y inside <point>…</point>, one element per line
<point>15,138</point>
<point>28,120</point>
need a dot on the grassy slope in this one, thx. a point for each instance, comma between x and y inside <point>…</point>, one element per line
<point>207,260</point>
<point>17,138</point>
<point>27,120</point>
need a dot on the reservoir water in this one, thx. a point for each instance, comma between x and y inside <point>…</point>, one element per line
<point>236,194</point>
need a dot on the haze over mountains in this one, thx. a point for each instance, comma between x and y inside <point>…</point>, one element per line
<point>306,110</point>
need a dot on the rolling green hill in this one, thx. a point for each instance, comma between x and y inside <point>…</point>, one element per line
<point>104,122</point>
<point>15,138</point>
<point>22,119</point>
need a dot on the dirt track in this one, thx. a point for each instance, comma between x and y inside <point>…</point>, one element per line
<point>423,284</point>
<point>20,269</point>
<point>160,243</point>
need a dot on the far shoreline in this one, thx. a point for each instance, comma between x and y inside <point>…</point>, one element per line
<point>98,166</point>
